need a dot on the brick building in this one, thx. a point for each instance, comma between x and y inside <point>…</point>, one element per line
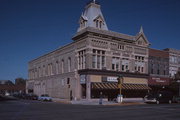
<point>158,68</point>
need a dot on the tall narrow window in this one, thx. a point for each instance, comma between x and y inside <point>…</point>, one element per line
<point>94,61</point>
<point>82,59</point>
<point>100,24</point>
<point>103,61</point>
<point>69,64</point>
<point>142,69</point>
<point>113,63</point>
<point>68,81</point>
<point>122,67</point>
<point>57,67</point>
<point>98,61</point>
<point>51,69</point>
<point>39,71</point>
<point>62,66</point>
<point>97,23</point>
<point>44,70</point>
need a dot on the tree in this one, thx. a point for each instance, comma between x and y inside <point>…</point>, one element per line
<point>20,81</point>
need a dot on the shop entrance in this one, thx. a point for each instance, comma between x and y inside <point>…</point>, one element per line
<point>83,91</point>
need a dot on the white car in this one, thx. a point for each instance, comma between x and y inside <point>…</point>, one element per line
<point>45,97</point>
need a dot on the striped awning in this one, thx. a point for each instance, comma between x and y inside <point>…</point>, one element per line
<point>111,86</point>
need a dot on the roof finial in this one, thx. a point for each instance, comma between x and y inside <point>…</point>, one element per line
<point>94,1</point>
<point>141,30</point>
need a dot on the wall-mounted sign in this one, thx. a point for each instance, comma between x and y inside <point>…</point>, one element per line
<point>158,80</point>
<point>82,79</point>
<point>112,79</point>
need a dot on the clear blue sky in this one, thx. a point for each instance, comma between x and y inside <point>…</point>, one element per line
<point>31,28</point>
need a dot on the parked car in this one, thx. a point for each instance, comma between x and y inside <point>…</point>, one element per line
<point>31,96</point>
<point>160,97</point>
<point>176,99</point>
<point>45,97</point>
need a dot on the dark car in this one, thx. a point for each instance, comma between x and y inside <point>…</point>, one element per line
<point>31,96</point>
<point>160,97</point>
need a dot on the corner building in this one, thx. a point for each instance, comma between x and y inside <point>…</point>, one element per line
<point>92,62</point>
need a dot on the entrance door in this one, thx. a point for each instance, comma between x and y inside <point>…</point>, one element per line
<point>83,88</point>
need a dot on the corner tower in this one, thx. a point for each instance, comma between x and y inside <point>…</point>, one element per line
<point>92,17</point>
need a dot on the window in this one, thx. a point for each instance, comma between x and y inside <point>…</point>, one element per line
<point>123,68</point>
<point>151,71</point>
<point>94,61</point>
<point>97,23</point>
<point>103,61</point>
<point>68,81</point>
<point>44,70</point>
<point>39,71</point>
<point>82,59</point>
<point>120,47</point>
<point>57,67</point>
<point>158,72</point>
<point>115,63</point>
<point>62,66</point>
<point>62,82</point>
<point>98,59</point>
<point>142,69</point>
<point>100,24</point>
<point>164,72</point>
<point>69,64</point>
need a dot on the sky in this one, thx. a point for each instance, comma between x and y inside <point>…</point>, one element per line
<point>31,28</point>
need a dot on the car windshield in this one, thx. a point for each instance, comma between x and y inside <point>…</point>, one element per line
<point>151,95</point>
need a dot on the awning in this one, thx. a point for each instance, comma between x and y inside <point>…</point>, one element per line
<point>114,86</point>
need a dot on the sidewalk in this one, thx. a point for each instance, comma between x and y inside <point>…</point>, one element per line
<point>126,101</point>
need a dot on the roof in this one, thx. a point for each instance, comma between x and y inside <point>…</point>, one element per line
<point>158,53</point>
<point>91,12</point>
<point>105,32</point>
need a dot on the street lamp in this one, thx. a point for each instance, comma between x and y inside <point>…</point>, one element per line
<point>120,82</point>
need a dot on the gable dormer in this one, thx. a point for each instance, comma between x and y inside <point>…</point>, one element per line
<point>99,22</point>
<point>141,39</point>
<point>83,21</point>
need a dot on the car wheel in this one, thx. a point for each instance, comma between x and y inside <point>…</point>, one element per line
<point>170,101</point>
<point>157,102</point>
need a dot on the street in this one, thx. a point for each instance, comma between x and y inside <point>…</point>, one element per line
<point>36,110</point>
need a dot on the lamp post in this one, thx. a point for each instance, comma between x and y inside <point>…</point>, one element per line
<point>120,82</point>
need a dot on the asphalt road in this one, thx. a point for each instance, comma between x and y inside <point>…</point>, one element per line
<point>35,110</point>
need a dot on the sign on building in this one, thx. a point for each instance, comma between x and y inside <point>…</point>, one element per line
<point>82,79</point>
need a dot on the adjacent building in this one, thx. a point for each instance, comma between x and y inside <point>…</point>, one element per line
<point>158,69</point>
<point>92,62</point>
<point>174,61</point>
<point>7,87</point>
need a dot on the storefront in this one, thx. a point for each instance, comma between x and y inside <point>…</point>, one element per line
<point>157,83</point>
<point>93,82</point>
